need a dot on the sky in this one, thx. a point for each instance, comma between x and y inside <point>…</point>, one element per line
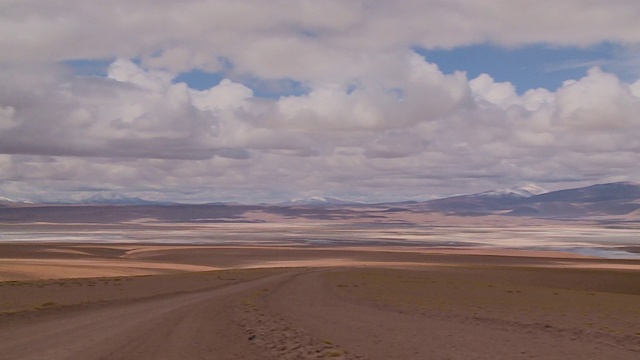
<point>264,101</point>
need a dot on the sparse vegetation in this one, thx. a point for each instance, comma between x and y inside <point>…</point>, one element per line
<point>334,353</point>
<point>47,304</point>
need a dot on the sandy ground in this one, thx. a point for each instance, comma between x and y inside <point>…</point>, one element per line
<point>92,301</point>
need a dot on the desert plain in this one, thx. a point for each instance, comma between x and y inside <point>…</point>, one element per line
<point>314,291</point>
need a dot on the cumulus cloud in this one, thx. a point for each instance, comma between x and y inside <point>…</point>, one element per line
<point>375,121</point>
<point>131,113</point>
<point>308,34</point>
<point>598,102</point>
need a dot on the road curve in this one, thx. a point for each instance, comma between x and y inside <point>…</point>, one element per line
<point>296,314</point>
<point>179,326</point>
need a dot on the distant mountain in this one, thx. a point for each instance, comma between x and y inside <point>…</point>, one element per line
<point>318,201</point>
<point>618,198</point>
<point>520,191</point>
<point>488,201</point>
<point>613,199</point>
<point>594,193</point>
<point>597,200</point>
<point>115,199</point>
<point>8,202</point>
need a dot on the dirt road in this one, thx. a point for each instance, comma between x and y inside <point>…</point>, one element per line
<point>184,326</point>
<point>335,313</point>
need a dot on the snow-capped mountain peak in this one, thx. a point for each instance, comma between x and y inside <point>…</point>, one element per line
<point>111,198</point>
<point>318,201</point>
<point>6,200</point>
<point>525,191</point>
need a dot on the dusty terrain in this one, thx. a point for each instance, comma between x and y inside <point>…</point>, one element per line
<point>132,301</point>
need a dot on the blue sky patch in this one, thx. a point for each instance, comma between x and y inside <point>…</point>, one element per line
<point>200,80</point>
<point>262,88</point>
<point>526,67</point>
<point>84,67</point>
<point>273,88</point>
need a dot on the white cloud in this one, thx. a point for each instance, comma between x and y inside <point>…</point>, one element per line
<point>598,102</point>
<point>225,95</point>
<point>136,125</point>
<point>137,114</point>
<point>308,35</point>
<point>7,120</point>
<point>635,89</point>
<point>420,92</point>
<point>377,121</point>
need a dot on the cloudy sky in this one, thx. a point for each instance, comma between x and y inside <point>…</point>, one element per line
<point>370,100</point>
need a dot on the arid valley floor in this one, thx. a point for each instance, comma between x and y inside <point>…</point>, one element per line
<point>283,291</point>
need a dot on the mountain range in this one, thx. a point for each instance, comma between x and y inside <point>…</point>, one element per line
<point>619,200</point>
<point>95,199</point>
<point>517,192</point>
<point>318,201</point>
<point>116,199</point>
